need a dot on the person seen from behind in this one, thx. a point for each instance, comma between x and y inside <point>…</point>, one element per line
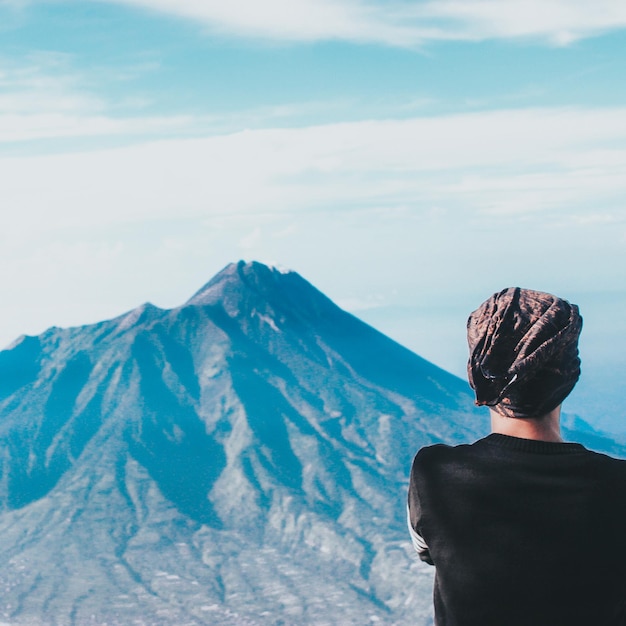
<point>523,528</point>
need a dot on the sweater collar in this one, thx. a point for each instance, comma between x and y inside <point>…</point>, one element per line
<point>532,445</point>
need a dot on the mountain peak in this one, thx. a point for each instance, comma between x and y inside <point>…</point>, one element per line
<point>249,286</point>
<point>233,277</point>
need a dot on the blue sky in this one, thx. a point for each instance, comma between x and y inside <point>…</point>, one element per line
<point>408,158</point>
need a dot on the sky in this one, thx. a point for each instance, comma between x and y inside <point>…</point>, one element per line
<point>407,158</point>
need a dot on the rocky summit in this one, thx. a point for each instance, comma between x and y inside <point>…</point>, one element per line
<point>240,459</point>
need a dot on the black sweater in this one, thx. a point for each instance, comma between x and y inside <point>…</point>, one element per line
<point>521,532</point>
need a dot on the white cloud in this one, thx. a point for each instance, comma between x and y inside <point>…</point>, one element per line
<point>18,128</point>
<point>561,21</point>
<point>307,20</point>
<point>42,81</point>
<point>400,22</point>
<point>496,162</point>
<point>41,99</point>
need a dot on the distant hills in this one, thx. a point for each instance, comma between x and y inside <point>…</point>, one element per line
<point>240,459</point>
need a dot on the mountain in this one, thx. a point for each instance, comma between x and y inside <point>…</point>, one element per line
<point>240,459</point>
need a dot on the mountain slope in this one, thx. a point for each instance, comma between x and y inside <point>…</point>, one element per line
<point>241,459</point>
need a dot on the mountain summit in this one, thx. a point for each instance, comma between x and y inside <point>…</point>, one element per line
<point>246,284</point>
<point>240,459</point>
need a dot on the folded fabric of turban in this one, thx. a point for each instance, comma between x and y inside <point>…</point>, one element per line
<point>523,352</point>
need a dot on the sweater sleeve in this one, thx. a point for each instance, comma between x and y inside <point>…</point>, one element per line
<point>413,520</point>
<point>418,541</point>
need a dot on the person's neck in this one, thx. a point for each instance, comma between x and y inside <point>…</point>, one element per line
<point>544,428</point>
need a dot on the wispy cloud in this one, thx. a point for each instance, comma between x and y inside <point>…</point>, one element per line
<point>43,99</point>
<point>400,22</point>
<point>558,21</point>
<point>307,20</point>
<point>19,128</point>
<point>42,81</point>
<point>502,162</point>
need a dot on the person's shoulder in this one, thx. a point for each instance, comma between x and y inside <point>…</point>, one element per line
<point>438,453</point>
<point>432,450</point>
<point>607,469</point>
<point>615,463</point>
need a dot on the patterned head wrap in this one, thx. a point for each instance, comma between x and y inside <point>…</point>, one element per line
<point>523,352</point>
